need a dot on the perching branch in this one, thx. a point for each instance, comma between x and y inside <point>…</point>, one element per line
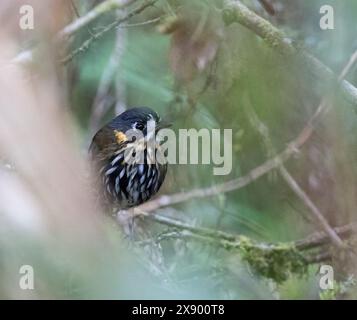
<point>276,261</point>
<point>272,260</point>
<point>309,242</point>
<point>235,11</point>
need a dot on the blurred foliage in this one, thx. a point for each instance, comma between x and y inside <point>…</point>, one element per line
<point>236,64</point>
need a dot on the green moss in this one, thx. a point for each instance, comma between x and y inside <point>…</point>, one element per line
<point>276,262</point>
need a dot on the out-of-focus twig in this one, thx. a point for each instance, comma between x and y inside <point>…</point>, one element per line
<point>184,226</point>
<point>311,206</point>
<point>139,24</point>
<point>97,11</point>
<point>87,43</point>
<point>26,56</point>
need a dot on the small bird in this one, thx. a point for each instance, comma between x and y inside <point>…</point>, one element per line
<point>127,179</point>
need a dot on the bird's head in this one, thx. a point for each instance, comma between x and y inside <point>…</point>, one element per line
<point>141,121</point>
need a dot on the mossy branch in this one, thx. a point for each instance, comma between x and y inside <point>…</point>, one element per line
<point>276,261</point>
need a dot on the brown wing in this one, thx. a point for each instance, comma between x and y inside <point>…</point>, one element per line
<point>106,143</point>
<point>102,142</point>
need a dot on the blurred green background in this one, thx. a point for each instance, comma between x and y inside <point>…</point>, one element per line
<point>160,70</point>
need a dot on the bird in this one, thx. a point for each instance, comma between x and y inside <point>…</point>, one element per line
<point>128,183</point>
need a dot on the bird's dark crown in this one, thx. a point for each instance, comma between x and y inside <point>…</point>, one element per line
<point>135,118</point>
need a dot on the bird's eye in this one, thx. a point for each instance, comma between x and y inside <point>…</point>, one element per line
<point>139,126</point>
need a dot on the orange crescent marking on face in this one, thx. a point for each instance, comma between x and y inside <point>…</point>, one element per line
<point>120,136</point>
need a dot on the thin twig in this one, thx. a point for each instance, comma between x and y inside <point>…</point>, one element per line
<point>139,24</point>
<point>184,226</point>
<point>76,12</point>
<point>87,43</point>
<point>97,11</point>
<point>221,238</point>
<point>26,56</point>
<point>312,207</point>
<point>348,67</point>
